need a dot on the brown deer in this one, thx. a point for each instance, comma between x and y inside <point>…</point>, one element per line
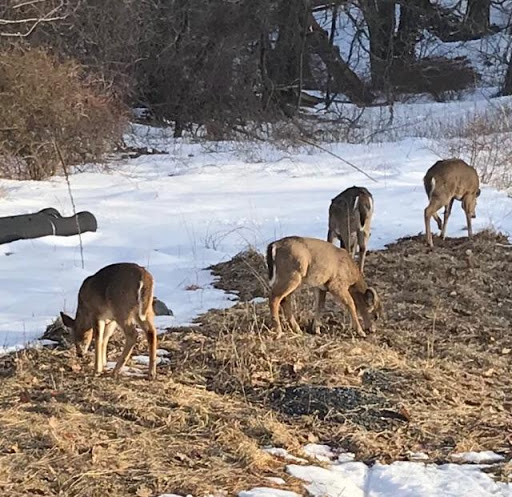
<point>444,182</point>
<point>117,295</point>
<point>294,260</point>
<point>350,217</point>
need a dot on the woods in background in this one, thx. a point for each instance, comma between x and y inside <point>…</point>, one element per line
<point>222,63</point>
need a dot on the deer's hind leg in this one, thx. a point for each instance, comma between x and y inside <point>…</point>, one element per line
<point>151,336</point>
<point>287,305</point>
<point>431,211</point>
<point>447,212</point>
<point>130,334</point>
<point>280,291</point>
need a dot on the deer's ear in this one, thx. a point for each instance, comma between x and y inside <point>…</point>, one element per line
<point>370,297</point>
<point>68,321</point>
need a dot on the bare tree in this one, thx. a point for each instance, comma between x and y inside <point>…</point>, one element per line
<point>19,18</point>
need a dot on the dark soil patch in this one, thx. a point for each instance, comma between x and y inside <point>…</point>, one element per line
<point>244,275</point>
<point>338,404</point>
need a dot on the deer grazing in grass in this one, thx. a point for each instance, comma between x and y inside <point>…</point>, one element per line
<point>444,182</point>
<point>294,261</point>
<point>350,217</point>
<point>117,295</point>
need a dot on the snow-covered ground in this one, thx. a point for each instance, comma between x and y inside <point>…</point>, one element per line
<point>178,213</point>
<point>342,476</point>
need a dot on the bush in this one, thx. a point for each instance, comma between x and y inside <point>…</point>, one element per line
<point>485,141</point>
<point>48,105</point>
<point>434,75</point>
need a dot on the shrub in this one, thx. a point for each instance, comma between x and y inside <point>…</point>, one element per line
<point>48,104</point>
<point>485,141</point>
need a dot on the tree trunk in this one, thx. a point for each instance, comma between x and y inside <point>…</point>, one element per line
<point>380,19</point>
<point>407,33</point>
<point>507,85</point>
<point>478,16</point>
<point>288,53</point>
<point>346,80</point>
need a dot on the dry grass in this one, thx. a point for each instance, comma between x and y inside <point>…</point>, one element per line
<point>440,359</point>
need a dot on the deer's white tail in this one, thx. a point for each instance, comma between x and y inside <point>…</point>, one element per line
<point>271,254</point>
<point>140,299</point>
<point>432,187</point>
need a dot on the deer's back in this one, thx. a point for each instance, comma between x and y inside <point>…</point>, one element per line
<point>316,260</point>
<point>452,177</point>
<point>114,290</point>
<point>351,208</point>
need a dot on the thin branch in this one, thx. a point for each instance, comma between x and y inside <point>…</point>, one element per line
<point>64,167</point>
<point>48,17</point>
<point>338,157</point>
<point>26,4</point>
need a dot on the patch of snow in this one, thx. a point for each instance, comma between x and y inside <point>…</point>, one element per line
<point>406,479</point>
<point>483,457</point>
<point>267,492</point>
<point>320,452</point>
<point>328,483</point>
<point>35,344</point>
<point>258,300</point>
<point>144,360</point>
<point>283,454</point>
<point>174,495</point>
<point>276,480</point>
<point>418,456</point>
<point>345,457</point>
<point>126,370</point>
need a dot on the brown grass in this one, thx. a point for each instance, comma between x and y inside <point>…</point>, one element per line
<point>440,358</point>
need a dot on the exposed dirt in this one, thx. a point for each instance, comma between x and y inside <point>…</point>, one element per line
<point>434,377</point>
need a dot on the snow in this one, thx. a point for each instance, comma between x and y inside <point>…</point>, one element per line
<point>483,457</point>
<point>319,451</point>
<point>267,492</point>
<point>177,214</point>
<point>401,478</point>
<point>283,454</point>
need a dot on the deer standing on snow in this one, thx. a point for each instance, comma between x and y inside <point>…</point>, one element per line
<point>117,295</point>
<point>350,217</point>
<point>444,182</point>
<point>294,260</point>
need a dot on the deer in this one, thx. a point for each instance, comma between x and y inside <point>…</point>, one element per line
<point>444,182</point>
<point>294,261</point>
<point>118,295</point>
<point>350,217</point>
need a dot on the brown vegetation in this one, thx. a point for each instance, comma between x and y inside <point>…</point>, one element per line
<point>46,106</point>
<point>435,377</point>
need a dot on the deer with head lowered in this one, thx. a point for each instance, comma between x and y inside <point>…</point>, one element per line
<point>294,261</point>
<point>350,217</point>
<point>444,182</point>
<point>117,295</point>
